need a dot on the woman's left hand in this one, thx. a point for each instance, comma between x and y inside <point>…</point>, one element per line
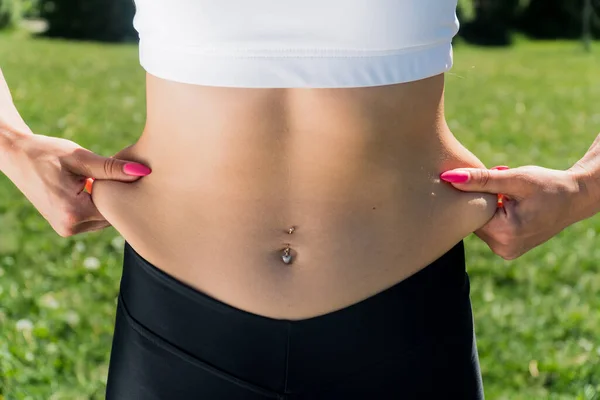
<point>538,203</point>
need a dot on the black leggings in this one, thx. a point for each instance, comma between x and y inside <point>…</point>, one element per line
<point>414,340</point>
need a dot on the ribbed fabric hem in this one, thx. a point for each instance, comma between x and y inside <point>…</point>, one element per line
<point>295,70</point>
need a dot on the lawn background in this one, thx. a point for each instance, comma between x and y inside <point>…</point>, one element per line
<point>537,318</point>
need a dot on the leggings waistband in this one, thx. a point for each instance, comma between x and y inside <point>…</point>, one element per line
<point>423,315</point>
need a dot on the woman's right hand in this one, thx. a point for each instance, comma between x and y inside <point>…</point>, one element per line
<point>51,172</point>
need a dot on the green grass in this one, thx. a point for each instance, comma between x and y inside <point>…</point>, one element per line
<point>537,318</point>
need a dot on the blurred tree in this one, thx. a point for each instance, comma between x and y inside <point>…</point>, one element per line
<point>10,13</point>
<point>493,22</point>
<point>31,8</point>
<point>103,20</point>
<point>557,19</point>
<point>586,31</point>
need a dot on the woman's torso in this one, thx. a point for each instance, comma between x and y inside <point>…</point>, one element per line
<point>354,171</point>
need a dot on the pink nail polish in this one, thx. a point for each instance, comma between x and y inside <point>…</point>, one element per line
<point>455,176</point>
<point>136,169</point>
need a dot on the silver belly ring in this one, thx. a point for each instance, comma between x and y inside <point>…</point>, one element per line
<point>286,257</point>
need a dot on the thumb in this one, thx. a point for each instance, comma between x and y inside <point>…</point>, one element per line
<point>482,180</point>
<point>94,166</point>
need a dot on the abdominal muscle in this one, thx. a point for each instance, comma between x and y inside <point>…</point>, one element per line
<point>354,172</point>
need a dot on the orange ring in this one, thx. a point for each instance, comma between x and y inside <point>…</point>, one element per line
<point>88,185</point>
<point>500,203</point>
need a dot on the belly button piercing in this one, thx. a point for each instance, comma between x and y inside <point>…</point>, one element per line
<point>286,257</point>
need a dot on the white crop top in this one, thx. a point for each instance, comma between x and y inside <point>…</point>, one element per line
<point>301,43</point>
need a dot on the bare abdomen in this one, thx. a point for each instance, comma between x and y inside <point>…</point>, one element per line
<point>360,189</point>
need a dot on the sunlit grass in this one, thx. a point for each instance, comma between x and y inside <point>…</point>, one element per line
<point>537,318</point>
